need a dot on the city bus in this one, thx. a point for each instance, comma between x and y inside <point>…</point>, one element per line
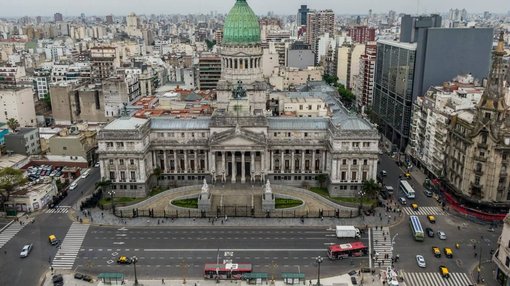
<point>417,230</point>
<point>341,251</point>
<point>407,189</point>
<point>226,271</point>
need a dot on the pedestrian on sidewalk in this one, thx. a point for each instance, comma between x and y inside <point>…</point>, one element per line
<point>162,281</point>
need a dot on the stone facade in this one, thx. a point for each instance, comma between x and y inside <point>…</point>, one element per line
<point>478,152</point>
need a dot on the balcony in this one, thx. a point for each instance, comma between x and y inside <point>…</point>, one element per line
<point>481,159</point>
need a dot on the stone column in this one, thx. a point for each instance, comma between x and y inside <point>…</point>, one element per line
<point>243,171</point>
<point>185,161</point>
<point>253,170</point>
<point>312,167</point>
<point>282,165</point>
<point>164,162</point>
<point>176,164</point>
<point>292,162</point>
<point>324,161</point>
<point>234,171</point>
<point>303,161</point>
<point>196,161</point>
<point>223,162</point>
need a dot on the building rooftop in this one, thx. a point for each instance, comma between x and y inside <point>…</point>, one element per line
<point>126,123</point>
<point>166,123</point>
<point>22,131</point>
<point>298,123</point>
<point>407,46</point>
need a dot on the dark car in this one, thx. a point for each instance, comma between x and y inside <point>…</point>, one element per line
<point>430,232</point>
<point>57,278</point>
<point>354,281</point>
<point>78,276</point>
<point>87,278</point>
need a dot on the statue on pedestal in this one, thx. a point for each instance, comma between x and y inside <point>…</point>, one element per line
<point>205,187</point>
<point>268,187</point>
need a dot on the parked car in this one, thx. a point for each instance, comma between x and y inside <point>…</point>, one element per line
<point>25,251</point>
<point>73,185</point>
<point>384,173</point>
<point>427,193</point>
<point>421,261</point>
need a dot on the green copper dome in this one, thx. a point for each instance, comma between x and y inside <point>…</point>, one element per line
<point>241,25</point>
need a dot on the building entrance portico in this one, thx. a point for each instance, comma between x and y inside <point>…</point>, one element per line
<point>237,166</point>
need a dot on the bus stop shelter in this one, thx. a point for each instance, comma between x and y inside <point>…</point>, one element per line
<point>255,277</point>
<point>290,278</point>
<point>111,278</point>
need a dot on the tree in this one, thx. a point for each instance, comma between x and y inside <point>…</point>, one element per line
<point>13,124</point>
<point>103,184</point>
<point>322,178</point>
<point>210,44</point>
<point>330,79</point>
<point>10,178</point>
<point>157,173</point>
<point>47,100</point>
<point>371,188</point>
<point>346,95</point>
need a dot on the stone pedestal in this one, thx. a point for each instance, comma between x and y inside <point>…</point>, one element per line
<point>204,201</point>
<point>268,201</point>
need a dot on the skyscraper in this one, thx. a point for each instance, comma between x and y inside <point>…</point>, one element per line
<point>362,34</point>
<point>431,55</point>
<point>319,23</point>
<point>58,17</point>
<point>301,16</point>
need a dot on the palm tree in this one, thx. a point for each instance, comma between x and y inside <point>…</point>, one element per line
<point>13,124</point>
<point>322,178</point>
<point>157,173</point>
<point>371,188</point>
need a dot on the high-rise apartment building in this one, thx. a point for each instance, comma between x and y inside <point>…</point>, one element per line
<point>363,83</point>
<point>109,19</point>
<point>319,23</point>
<point>209,71</point>
<point>58,17</point>
<point>102,62</point>
<point>302,15</point>
<point>362,34</point>
<point>431,55</point>
<point>17,103</point>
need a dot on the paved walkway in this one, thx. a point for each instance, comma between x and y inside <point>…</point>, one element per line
<point>382,247</point>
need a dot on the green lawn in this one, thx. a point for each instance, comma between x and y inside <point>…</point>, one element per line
<point>324,192</point>
<point>120,201</point>
<point>186,203</point>
<point>287,203</point>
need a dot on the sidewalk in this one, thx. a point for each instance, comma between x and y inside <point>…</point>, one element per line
<point>342,280</point>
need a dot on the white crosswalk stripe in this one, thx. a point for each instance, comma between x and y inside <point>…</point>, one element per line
<point>435,279</point>
<point>382,246</point>
<point>66,255</point>
<point>58,210</point>
<point>424,211</point>
<point>10,232</point>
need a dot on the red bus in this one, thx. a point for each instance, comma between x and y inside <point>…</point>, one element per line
<point>341,251</point>
<point>226,271</point>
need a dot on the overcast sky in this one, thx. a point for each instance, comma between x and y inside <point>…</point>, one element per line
<point>123,7</point>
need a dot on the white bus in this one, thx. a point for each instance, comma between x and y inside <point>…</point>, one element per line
<point>414,223</point>
<point>407,189</point>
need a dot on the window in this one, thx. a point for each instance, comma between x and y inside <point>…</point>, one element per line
<point>131,161</point>
<point>343,177</point>
<point>132,176</point>
<point>355,144</point>
<point>274,135</point>
<point>507,262</point>
<point>64,148</point>
<point>109,144</point>
<point>182,134</point>
<point>121,162</point>
<point>112,176</point>
<point>366,144</point>
<point>355,162</point>
<point>365,162</point>
<point>365,175</point>
<point>306,134</point>
<point>344,162</point>
<point>477,180</point>
<point>120,144</point>
<point>122,175</point>
<point>110,161</point>
<point>353,177</point>
<point>300,107</point>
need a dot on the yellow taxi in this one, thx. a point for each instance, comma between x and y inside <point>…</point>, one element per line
<point>448,252</point>
<point>431,218</point>
<point>123,260</point>
<point>407,175</point>
<point>444,271</point>
<point>436,251</point>
<point>414,206</point>
<point>52,239</point>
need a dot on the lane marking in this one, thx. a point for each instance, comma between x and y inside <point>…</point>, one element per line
<point>245,250</point>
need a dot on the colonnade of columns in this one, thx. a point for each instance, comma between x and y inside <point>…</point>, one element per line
<point>298,161</point>
<point>241,63</point>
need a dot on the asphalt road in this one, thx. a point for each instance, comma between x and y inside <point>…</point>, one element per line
<point>171,252</point>
<point>28,271</point>
<point>470,234</point>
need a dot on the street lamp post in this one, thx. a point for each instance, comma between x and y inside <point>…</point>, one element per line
<point>319,260</point>
<point>135,260</point>
<point>112,194</point>
<point>479,263</point>
<point>361,195</point>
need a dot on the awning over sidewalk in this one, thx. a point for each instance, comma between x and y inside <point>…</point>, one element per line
<point>255,275</point>
<point>111,277</point>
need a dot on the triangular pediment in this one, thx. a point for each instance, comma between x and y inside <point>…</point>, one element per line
<point>237,138</point>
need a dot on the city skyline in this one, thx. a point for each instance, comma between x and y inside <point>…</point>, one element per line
<point>284,7</point>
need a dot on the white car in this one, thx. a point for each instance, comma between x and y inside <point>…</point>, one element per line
<point>96,165</point>
<point>421,261</point>
<point>402,200</point>
<point>85,174</point>
<point>73,185</point>
<point>25,251</point>
<point>441,235</point>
